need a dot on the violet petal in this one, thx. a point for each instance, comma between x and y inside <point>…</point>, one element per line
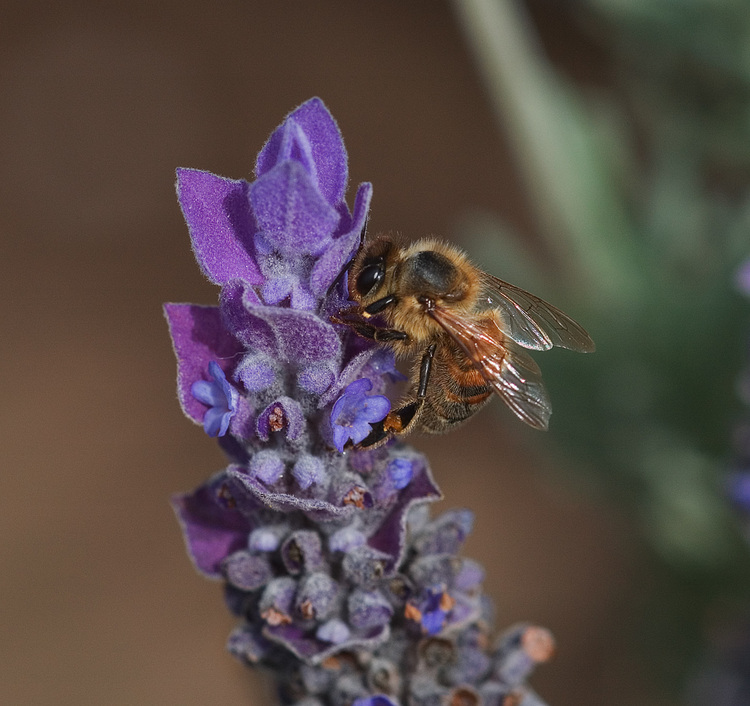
<point>211,529</point>
<point>323,148</point>
<point>334,259</point>
<point>355,411</point>
<point>198,337</point>
<point>220,396</point>
<point>351,373</point>
<point>292,214</point>
<point>244,318</point>
<point>221,225</point>
<point>314,651</point>
<point>390,538</point>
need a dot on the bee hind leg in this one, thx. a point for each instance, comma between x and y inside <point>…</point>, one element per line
<point>368,330</point>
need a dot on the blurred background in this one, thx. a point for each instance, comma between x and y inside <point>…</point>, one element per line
<point>593,151</point>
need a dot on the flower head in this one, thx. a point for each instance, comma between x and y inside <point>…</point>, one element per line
<point>289,232</point>
<point>322,554</point>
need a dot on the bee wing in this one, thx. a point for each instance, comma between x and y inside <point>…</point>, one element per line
<point>530,321</point>
<point>505,366</point>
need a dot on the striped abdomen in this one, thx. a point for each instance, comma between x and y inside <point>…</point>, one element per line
<point>456,391</point>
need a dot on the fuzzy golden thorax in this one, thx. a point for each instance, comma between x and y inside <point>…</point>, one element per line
<point>424,274</point>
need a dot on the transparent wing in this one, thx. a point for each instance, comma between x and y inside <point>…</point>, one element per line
<point>510,371</point>
<point>530,321</point>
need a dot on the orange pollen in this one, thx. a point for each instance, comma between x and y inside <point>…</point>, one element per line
<point>447,602</point>
<point>356,497</point>
<point>538,643</point>
<point>332,663</point>
<point>307,610</point>
<point>463,696</point>
<point>512,699</point>
<point>411,612</point>
<point>275,617</point>
<point>392,423</point>
<point>276,419</point>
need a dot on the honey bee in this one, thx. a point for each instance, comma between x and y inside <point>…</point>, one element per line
<point>470,328</point>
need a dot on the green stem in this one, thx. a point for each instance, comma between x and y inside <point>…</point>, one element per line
<point>572,191</point>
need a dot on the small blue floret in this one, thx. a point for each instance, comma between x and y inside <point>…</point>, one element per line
<point>400,471</point>
<point>434,611</point>
<point>220,397</point>
<point>377,700</point>
<point>355,411</point>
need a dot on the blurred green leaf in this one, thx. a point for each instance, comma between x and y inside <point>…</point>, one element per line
<point>642,193</point>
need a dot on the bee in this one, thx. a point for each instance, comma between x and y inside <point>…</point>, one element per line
<point>470,328</point>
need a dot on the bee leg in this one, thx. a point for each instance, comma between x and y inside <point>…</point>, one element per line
<point>374,333</point>
<point>398,421</point>
<point>424,371</point>
<point>380,304</point>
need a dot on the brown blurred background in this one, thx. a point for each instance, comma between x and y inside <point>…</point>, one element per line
<point>99,103</point>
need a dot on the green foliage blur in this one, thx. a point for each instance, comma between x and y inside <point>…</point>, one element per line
<point>641,192</point>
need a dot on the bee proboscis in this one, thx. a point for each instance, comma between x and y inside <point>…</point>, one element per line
<point>470,328</point>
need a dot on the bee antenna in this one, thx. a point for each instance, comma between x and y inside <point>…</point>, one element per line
<point>362,238</point>
<point>337,281</point>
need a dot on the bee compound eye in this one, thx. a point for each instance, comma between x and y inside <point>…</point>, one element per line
<point>370,277</point>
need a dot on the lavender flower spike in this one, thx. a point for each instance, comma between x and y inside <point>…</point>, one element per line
<point>325,553</point>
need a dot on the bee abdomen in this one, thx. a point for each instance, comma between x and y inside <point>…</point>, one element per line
<point>456,396</point>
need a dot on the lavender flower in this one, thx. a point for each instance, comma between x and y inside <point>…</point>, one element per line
<point>341,582</point>
<point>355,411</point>
<point>219,396</point>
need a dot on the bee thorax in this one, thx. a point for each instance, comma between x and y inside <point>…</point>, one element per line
<point>430,274</point>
